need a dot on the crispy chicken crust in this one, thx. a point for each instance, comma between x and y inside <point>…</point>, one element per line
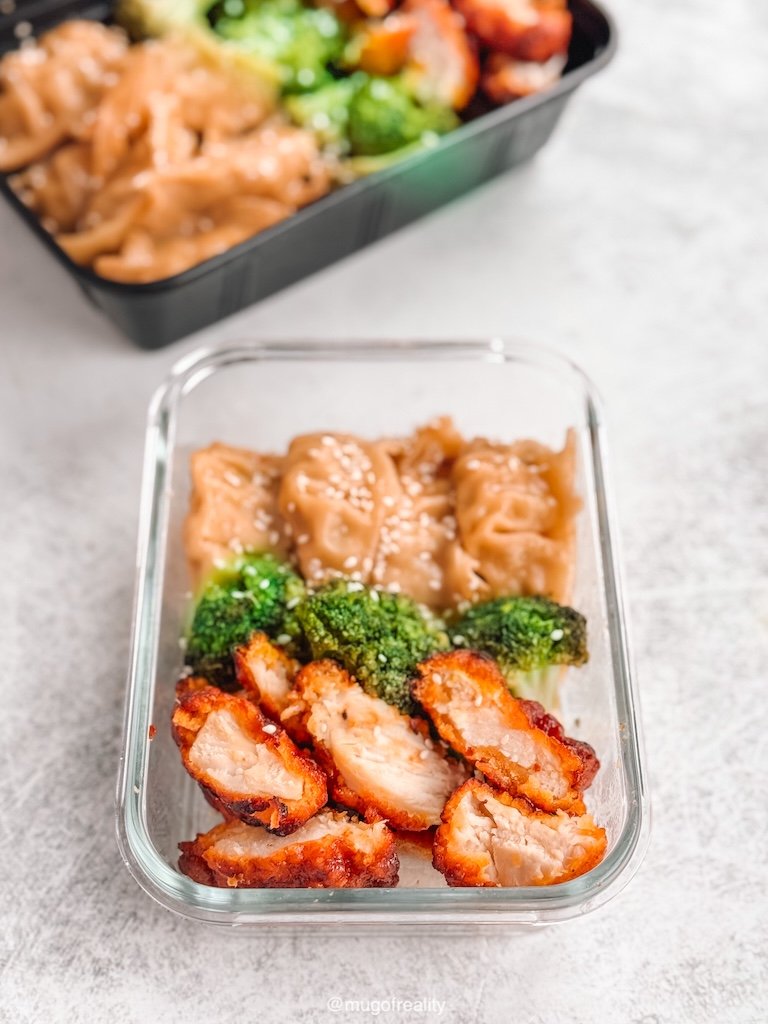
<point>266,673</point>
<point>467,698</point>
<point>379,762</point>
<point>331,851</point>
<point>537,715</point>
<point>383,46</point>
<point>504,78</point>
<point>531,30</point>
<point>443,63</point>
<point>490,838</point>
<point>248,764</point>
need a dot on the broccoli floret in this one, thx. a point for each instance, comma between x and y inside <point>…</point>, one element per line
<point>254,592</point>
<point>326,110</point>
<point>302,41</point>
<point>384,116</point>
<point>530,638</point>
<point>378,637</point>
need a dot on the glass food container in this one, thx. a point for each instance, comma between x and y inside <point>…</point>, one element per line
<point>261,395</point>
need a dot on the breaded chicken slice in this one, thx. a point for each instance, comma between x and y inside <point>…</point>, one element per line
<point>505,78</point>
<point>532,30</point>
<point>490,838</point>
<point>380,762</point>
<point>331,851</point>
<point>247,763</point>
<point>537,715</point>
<point>443,66</point>
<point>466,697</point>
<point>266,673</point>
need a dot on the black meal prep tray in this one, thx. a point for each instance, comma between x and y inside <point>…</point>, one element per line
<point>335,226</point>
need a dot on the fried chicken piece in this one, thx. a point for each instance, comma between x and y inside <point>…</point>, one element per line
<point>379,762</point>
<point>443,65</point>
<point>490,838</point>
<point>266,673</point>
<point>190,684</point>
<point>541,718</point>
<point>382,47</point>
<point>533,30</point>
<point>467,698</point>
<point>375,8</point>
<point>249,764</point>
<point>505,78</point>
<point>331,851</point>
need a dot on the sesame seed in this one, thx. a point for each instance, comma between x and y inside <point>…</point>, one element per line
<point>283,639</point>
<point>264,585</point>
<point>350,562</point>
<point>557,634</point>
<point>423,754</point>
<point>270,728</point>
<point>437,678</point>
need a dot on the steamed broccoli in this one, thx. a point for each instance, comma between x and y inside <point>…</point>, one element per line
<point>302,41</point>
<point>384,116</point>
<point>254,592</point>
<point>378,637</point>
<point>326,110</point>
<point>530,638</point>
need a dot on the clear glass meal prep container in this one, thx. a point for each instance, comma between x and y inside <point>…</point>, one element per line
<point>261,395</point>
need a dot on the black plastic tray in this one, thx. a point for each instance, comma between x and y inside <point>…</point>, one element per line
<point>337,225</point>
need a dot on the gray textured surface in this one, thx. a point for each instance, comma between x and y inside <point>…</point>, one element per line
<point>637,244</point>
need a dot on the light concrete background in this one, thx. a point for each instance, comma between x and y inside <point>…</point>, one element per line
<point>636,243</point>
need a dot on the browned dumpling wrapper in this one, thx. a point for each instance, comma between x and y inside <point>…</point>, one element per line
<point>247,763</point>
<point>49,90</point>
<point>233,506</point>
<point>331,851</point>
<point>334,495</point>
<point>515,508</point>
<point>432,516</point>
<point>419,552</point>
